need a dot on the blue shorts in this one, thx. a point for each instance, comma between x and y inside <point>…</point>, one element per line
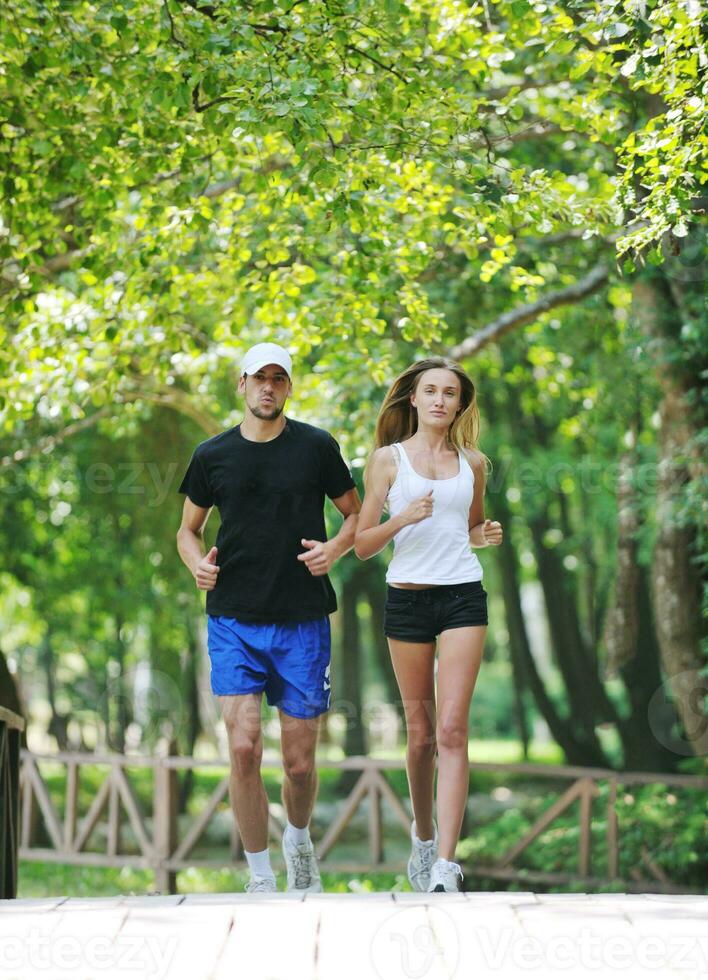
<point>289,661</point>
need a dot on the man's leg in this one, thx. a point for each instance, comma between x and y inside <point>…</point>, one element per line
<point>298,739</point>
<point>299,686</point>
<point>299,742</point>
<point>242,716</point>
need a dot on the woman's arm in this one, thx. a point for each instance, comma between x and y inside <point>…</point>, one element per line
<point>372,537</point>
<point>482,532</point>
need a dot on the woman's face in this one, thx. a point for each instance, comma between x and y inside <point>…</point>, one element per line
<point>437,397</point>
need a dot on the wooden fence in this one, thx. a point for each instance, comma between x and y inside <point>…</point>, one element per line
<point>161,848</point>
<point>11,725</point>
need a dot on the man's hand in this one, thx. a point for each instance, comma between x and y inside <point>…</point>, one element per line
<point>319,557</point>
<point>492,532</point>
<point>206,571</point>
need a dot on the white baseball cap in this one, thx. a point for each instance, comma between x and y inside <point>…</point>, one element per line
<point>261,354</point>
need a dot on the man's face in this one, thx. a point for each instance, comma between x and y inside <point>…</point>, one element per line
<point>266,391</point>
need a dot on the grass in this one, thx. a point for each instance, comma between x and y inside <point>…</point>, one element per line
<point>43,879</point>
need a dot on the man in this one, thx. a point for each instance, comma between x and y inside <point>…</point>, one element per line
<point>269,597</point>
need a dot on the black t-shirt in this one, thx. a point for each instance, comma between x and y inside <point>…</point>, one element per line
<point>269,495</point>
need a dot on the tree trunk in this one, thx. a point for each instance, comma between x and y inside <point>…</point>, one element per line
<point>630,638</point>
<point>117,739</point>
<point>622,620</point>
<point>579,666</point>
<point>519,646</point>
<point>646,736</point>
<point>588,702</point>
<point>58,723</point>
<point>578,750</point>
<point>192,726</point>
<point>350,699</point>
<point>676,584</point>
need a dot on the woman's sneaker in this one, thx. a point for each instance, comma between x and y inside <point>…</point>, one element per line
<point>262,883</point>
<point>445,876</point>
<point>423,856</point>
<point>301,863</point>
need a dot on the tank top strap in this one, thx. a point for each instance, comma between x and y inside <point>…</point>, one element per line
<point>464,460</point>
<point>402,456</point>
<point>398,454</point>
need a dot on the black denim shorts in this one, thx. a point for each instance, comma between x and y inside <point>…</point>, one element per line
<point>419,615</point>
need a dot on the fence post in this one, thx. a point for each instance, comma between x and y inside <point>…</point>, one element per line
<point>11,725</point>
<point>165,819</point>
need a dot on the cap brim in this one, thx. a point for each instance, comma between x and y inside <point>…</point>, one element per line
<point>258,365</point>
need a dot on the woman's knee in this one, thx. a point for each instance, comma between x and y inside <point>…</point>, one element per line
<point>422,748</point>
<point>452,736</point>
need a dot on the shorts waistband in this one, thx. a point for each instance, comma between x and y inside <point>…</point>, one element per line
<point>436,590</point>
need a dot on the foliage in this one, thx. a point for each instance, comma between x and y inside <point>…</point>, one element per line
<point>364,183</point>
<point>306,171</point>
<point>663,824</point>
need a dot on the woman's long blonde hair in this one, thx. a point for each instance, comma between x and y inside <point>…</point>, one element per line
<point>398,418</point>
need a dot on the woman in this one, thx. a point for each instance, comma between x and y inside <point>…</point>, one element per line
<point>428,471</point>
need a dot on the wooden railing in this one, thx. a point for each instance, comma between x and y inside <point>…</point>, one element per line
<point>159,847</point>
<point>10,727</point>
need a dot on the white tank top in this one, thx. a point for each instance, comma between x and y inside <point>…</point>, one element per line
<point>436,550</point>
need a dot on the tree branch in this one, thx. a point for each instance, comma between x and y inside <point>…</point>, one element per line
<point>375,61</point>
<point>178,400</point>
<point>47,443</point>
<point>174,398</point>
<point>528,312</point>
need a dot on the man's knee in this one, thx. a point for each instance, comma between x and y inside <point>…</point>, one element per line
<point>299,766</point>
<point>246,752</point>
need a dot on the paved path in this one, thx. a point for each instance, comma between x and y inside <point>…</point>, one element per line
<point>399,936</point>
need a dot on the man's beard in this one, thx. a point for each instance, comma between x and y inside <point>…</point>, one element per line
<point>269,415</point>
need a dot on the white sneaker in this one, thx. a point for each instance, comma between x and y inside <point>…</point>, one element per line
<point>262,883</point>
<point>301,863</point>
<point>445,876</point>
<point>423,856</point>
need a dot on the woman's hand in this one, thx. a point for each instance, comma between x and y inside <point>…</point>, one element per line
<point>417,510</point>
<point>492,532</point>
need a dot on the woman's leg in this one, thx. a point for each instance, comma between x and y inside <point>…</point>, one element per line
<point>414,664</point>
<point>459,659</point>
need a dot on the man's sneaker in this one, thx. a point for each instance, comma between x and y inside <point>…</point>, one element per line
<point>262,883</point>
<point>301,863</point>
<point>445,876</point>
<point>423,856</point>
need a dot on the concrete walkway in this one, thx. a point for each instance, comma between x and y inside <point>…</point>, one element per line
<point>471,936</point>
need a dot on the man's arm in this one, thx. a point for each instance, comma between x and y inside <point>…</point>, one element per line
<point>321,555</point>
<point>190,544</point>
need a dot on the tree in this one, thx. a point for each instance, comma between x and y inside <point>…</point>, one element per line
<point>336,176</point>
